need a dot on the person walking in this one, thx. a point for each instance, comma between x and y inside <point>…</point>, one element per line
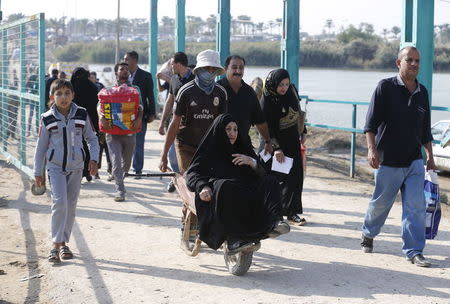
<point>86,97</point>
<point>121,147</point>
<point>182,75</point>
<point>197,104</point>
<point>143,80</point>
<point>281,107</point>
<point>243,103</point>
<point>60,148</point>
<point>397,127</point>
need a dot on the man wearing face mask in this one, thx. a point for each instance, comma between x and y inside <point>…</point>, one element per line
<point>197,104</point>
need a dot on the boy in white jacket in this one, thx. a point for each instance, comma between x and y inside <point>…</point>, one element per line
<point>59,144</point>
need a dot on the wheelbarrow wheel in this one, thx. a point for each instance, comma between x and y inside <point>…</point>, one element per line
<point>239,263</point>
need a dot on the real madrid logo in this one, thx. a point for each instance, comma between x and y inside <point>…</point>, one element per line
<point>216,101</point>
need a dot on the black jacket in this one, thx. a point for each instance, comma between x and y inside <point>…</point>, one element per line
<point>144,81</point>
<point>400,121</point>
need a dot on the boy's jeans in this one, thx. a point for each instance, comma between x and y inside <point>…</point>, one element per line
<point>388,181</point>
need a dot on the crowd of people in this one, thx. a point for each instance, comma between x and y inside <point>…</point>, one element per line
<point>243,194</point>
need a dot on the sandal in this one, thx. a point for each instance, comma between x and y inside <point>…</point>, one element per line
<point>54,256</point>
<point>65,253</point>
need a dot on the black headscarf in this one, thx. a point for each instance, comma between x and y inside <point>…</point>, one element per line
<point>216,142</point>
<point>85,93</point>
<point>215,153</point>
<point>270,90</point>
<point>273,80</point>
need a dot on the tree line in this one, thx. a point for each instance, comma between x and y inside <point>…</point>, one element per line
<point>353,46</point>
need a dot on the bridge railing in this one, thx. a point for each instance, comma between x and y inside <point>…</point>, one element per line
<point>22,88</point>
<point>353,129</point>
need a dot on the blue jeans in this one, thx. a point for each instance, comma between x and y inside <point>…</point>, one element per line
<point>388,181</point>
<point>138,157</point>
<point>173,159</point>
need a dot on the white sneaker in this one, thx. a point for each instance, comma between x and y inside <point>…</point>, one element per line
<point>120,196</point>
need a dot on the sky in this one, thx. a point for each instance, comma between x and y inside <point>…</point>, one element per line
<point>383,14</point>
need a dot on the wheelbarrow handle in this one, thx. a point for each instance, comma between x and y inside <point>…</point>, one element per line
<point>170,174</point>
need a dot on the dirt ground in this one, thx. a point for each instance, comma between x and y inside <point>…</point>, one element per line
<point>129,252</point>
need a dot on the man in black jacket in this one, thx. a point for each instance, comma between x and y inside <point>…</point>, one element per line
<point>397,127</point>
<point>143,80</point>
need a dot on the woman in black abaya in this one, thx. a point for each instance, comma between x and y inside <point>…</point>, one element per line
<point>235,200</point>
<point>86,97</point>
<point>280,105</point>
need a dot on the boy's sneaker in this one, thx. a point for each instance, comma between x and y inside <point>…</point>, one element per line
<point>366,244</point>
<point>120,196</point>
<point>110,177</point>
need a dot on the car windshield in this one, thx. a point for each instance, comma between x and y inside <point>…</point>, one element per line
<point>438,129</point>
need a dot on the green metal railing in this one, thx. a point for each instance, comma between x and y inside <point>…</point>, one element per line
<point>22,87</point>
<point>353,128</point>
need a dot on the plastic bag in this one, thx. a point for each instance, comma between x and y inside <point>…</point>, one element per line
<point>433,213</point>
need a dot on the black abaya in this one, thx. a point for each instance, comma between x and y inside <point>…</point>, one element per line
<point>281,113</point>
<point>245,202</point>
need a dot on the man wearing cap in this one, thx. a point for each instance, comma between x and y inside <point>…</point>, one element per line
<point>197,104</point>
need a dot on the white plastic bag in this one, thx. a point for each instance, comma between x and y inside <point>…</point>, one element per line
<point>433,214</point>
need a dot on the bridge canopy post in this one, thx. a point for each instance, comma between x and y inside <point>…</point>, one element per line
<point>290,39</point>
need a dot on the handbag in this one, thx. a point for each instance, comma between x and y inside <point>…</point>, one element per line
<point>301,113</point>
<point>433,211</point>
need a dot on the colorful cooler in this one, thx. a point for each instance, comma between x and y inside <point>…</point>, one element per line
<point>120,106</point>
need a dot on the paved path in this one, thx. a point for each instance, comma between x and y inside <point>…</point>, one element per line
<point>129,252</point>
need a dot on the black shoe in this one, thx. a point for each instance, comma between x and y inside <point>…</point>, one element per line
<point>419,260</point>
<point>88,178</point>
<point>235,246</point>
<point>171,187</point>
<point>366,244</point>
<point>296,220</point>
<point>138,176</point>
<point>280,228</point>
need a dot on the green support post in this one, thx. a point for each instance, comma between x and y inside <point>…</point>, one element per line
<point>41,42</point>
<point>153,45</point>
<point>223,30</point>
<point>180,26</point>
<point>353,143</point>
<point>418,31</point>
<point>290,40</point>
<point>22,101</point>
<point>4,101</point>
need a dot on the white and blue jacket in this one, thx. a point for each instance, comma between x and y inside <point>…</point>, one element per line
<point>60,140</point>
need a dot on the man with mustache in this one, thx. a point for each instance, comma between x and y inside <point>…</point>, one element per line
<point>243,104</point>
<point>397,127</point>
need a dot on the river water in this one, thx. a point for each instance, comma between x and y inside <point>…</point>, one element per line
<point>342,85</point>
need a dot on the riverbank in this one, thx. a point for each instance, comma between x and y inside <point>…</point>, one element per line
<point>357,54</point>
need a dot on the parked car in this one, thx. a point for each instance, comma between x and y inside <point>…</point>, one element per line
<point>441,131</point>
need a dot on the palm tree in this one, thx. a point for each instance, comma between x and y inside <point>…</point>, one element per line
<point>385,32</point>
<point>395,31</point>
<point>329,24</point>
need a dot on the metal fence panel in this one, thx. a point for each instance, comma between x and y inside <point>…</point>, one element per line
<point>22,88</point>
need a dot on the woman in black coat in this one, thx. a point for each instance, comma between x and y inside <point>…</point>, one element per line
<point>86,97</point>
<point>281,107</point>
<point>235,200</point>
